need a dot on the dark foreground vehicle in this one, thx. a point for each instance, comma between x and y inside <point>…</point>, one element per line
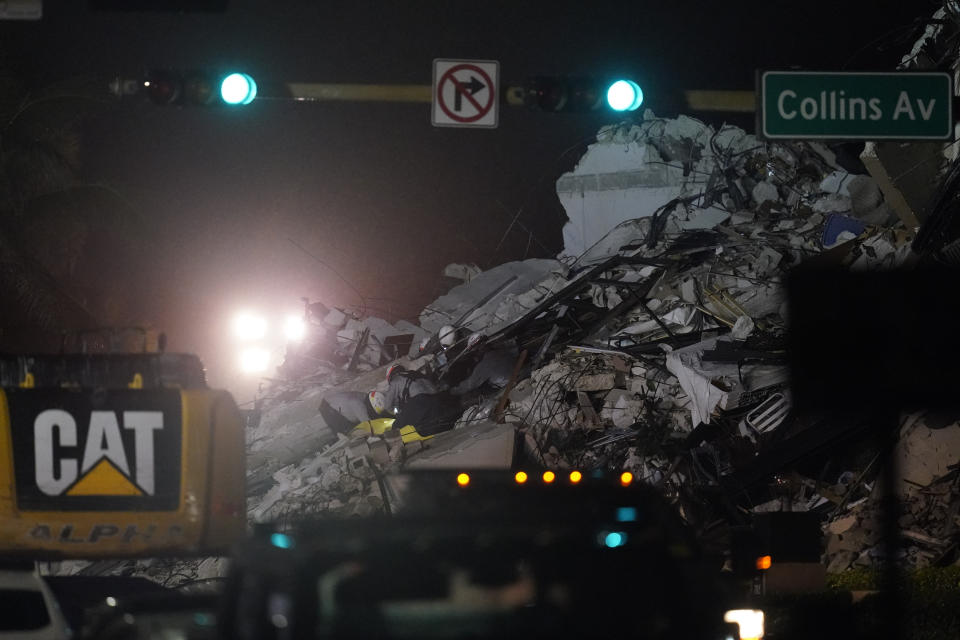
<point>482,556</point>
<point>77,594</point>
<point>166,616</point>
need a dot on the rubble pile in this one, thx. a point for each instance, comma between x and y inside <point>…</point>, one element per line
<point>338,482</point>
<point>654,346</point>
<point>929,520</point>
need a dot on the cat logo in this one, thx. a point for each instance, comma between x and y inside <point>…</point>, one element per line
<point>112,450</point>
<point>104,470</point>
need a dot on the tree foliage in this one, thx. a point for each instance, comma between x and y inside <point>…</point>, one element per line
<point>64,242</point>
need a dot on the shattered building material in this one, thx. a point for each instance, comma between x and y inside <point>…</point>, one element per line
<point>493,298</point>
<point>906,173</point>
<point>925,454</point>
<point>659,347</point>
<point>459,271</point>
<point>485,445</point>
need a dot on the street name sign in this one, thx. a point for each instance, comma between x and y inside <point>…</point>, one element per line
<point>465,93</point>
<point>804,105</point>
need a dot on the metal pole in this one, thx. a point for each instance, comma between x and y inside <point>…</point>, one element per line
<point>420,93</point>
<point>695,99</point>
<point>728,101</point>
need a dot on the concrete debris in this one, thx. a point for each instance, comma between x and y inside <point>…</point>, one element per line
<point>925,454</point>
<point>493,298</point>
<point>595,382</point>
<point>465,272</point>
<point>622,408</point>
<point>929,463</point>
<point>633,171</point>
<point>742,328</point>
<point>655,344</point>
<point>765,192</point>
<point>842,525</point>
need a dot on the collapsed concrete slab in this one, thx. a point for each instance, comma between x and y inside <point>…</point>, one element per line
<point>493,298</point>
<point>633,171</point>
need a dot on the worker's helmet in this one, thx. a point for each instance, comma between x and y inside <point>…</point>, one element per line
<point>378,401</point>
<point>447,335</point>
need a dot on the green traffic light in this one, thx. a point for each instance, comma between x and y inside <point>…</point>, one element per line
<point>615,539</point>
<point>238,88</point>
<point>624,95</point>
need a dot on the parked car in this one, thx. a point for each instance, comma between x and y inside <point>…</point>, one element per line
<point>29,608</point>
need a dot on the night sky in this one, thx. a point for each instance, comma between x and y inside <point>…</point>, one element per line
<point>374,190</point>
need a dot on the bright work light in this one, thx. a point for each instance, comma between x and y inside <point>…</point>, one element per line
<point>294,328</point>
<point>248,326</point>
<point>624,95</point>
<point>238,88</point>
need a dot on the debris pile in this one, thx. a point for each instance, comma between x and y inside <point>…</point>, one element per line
<point>338,482</point>
<point>928,456</point>
<point>654,344</point>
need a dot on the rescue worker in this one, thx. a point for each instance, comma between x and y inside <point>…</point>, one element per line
<point>343,410</point>
<point>403,384</point>
<point>447,335</point>
<point>492,371</point>
<point>415,399</point>
<point>431,413</point>
<point>449,341</point>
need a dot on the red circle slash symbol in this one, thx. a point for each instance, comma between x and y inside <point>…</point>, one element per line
<point>463,89</point>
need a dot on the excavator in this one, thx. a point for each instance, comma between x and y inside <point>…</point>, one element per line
<point>114,455</point>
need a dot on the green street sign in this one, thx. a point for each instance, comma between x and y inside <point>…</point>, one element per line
<point>804,105</point>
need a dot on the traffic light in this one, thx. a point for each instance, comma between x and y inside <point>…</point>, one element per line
<point>580,94</point>
<point>201,88</point>
<point>238,88</point>
<point>624,95</point>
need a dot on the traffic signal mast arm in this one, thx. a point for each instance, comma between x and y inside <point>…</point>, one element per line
<point>543,93</point>
<point>360,92</point>
<point>514,95</point>
<point>540,93</point>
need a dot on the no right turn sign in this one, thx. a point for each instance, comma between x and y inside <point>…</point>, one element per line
<point>465,93</point>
